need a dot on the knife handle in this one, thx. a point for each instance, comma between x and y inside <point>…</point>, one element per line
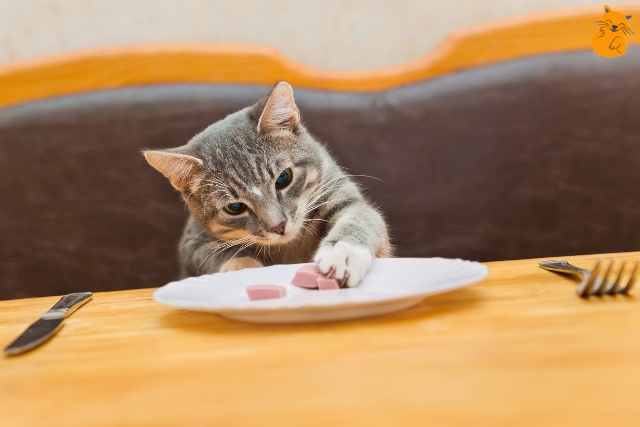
<point>67,305</point>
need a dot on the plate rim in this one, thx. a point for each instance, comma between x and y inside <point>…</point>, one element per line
<point>323,307</point>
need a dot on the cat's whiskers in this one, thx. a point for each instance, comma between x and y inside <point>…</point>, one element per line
<point>322,185</point>
<point>260,249</point>
<point>329,180</point>
<point>190,194</point>
<point>199,180</point>
<point>313,204</point>
<point>211,255</point>
<point>313,197</point>
<point>198,188</point>
<point>220,248</point>
<point>306,228</point>
<point>218,183</point>
<point>206,202</point>
<point>212,244</point>
<point>335,186</point>
<point>324,203</point>
<point>216,177</point>
<point>344,170</point>
<point>190,241</point>
<point>329,186</point>
<point>243,247</point>
<point>364,176</point>
<point>297,236</point>
<point>208,183</point>
<point>224,196</point>
<point>306,209</point>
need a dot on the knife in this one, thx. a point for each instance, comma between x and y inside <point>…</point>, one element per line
<point>50,323</point>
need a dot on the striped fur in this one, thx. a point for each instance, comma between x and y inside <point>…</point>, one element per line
<point>240,157</point>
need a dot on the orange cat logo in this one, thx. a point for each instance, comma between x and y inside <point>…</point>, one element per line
<point>608,40</point>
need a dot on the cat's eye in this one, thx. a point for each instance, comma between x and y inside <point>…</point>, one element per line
<point>235,208</point>
<point>284,179</point>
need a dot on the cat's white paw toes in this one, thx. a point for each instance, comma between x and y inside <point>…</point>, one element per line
<point>345,258</point>
<point>240,264</point>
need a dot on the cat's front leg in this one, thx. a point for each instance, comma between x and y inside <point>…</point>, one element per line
<point>240,263</point>
<point>357,235</point>
<point>208,259</point>
<point>201,253</point>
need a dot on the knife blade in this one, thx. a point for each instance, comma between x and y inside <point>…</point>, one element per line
<point>50,323</point>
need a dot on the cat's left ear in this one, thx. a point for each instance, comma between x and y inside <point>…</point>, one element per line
<point>280,115</point>
<point>180,169</point>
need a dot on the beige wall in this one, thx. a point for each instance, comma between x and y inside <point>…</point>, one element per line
<point>340,34</point>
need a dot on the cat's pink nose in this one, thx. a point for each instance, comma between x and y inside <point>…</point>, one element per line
<point>279,229</point>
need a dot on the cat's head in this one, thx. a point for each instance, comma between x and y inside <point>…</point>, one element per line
<point>615,22</point>
<point>250,175</point>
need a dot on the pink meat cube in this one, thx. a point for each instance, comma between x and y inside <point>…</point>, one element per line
<point>306,277</point>
<point>310,277</point>
<point>325,284</point>
<point>258,292</point>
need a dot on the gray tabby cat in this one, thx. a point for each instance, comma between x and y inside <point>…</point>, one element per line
<point>262,191</point>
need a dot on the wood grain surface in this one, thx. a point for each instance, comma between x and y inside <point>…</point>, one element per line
<point>519,348</point>
<point>105,68</point>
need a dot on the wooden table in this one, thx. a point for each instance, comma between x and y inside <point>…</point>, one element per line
<point>517,349</point>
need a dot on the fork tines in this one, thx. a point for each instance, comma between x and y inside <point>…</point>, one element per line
<point>608,283</point>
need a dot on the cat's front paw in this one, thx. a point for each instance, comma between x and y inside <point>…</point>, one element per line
<point>346,260</point>
<point>240,264</point>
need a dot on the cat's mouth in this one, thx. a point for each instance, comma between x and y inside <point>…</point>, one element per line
<point>278,239</point>
<point>274,238</point>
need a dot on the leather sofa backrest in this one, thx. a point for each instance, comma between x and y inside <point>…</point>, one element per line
<point>525,158</point>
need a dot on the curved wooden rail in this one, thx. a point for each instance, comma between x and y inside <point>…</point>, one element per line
<point>106,68</point>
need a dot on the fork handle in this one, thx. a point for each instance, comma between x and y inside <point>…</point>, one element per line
<point>562,266</point>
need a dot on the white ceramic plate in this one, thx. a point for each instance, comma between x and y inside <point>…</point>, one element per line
<point>392,284</point>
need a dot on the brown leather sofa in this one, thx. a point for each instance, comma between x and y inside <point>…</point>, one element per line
<point>531,157</point>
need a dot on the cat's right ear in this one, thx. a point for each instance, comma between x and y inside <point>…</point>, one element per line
<point>180,169</point>
<point>280,115</point>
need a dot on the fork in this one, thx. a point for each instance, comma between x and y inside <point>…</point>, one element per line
<point>593,283</point>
